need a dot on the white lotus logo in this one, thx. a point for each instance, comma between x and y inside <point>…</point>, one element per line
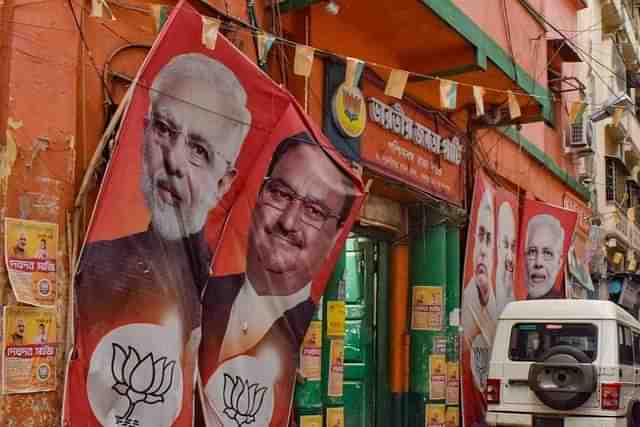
<point>242,400</point>
<point>140,380</point>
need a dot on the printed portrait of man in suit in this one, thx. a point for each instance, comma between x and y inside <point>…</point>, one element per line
<point>254,323</point>
<point>138,296</point>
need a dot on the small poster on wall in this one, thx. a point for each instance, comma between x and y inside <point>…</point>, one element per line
<point>336,368</point>
<point>311,421</point>
<point>29,350</point>
<point>426,313</point>
<point>30,249</point>
<point>336,314</point>
<point>438,374</point>
<point>435,415</point>
<point>335,417</point>
<point>453,383</point>
<point>452,417</point>
<point>311,352</point>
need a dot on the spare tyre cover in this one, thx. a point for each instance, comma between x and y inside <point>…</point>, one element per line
<point>564,378</point>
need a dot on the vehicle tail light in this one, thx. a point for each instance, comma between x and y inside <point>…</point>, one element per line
<point>492,393</point>
<point>610,396</point>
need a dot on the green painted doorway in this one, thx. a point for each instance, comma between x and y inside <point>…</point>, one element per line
<point>366,379</point>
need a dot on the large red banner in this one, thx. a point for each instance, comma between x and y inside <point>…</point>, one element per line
<point>488,282</point>
<point>219,220</point>
<point>511,256</point>
<point>546,232</point>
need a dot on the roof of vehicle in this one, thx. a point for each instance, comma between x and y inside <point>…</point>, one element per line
<point>566,309</point>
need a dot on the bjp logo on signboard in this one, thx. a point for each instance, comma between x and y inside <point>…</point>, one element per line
<point>349,111</point>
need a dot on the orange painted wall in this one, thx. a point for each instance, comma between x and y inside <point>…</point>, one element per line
<point>38,93</point>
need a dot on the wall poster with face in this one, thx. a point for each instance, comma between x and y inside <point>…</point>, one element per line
<point>217,225</point>
<point>545,236</point>
<point>488,286</point>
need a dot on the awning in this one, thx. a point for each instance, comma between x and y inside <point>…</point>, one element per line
<point>580,273</point>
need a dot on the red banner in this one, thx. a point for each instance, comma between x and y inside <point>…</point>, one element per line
<point>546,232</point>
<point>488,286</point>
<point>219,220</point>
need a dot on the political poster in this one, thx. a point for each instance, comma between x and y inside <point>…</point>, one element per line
<point>29,350</point>
<point>311,421</point>
<point>336,368</point>
<point>311,352</point>
<point>218,222</point>
<point>453,383</point>
<point>427,310</point>
<point>437,377</point>
<point>31,249</point>
<point>335,417</point>
<point>488,284</point>
<point>546,233</point>
<point>435,414</point>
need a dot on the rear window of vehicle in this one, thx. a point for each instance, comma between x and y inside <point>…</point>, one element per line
<point>529,341</point>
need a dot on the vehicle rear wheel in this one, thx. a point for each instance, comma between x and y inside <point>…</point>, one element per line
<point>564,378</point>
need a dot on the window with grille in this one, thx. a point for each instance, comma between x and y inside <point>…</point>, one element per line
<point>616,182</point>
<point>611,179</point>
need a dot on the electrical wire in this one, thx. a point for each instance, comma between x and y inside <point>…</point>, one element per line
<point>87,48</point>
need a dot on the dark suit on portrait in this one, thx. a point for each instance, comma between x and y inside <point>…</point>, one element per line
<point>137,279</point>
<point>286,334</point>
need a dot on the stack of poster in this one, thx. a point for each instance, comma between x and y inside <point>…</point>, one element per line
<point>30,332</point>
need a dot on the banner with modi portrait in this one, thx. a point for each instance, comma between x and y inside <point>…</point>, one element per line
<point>488,286</point>
<point>218,223</point>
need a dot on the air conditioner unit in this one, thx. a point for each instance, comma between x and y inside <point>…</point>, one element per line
<point>584,169</point>
<point>579,138</point>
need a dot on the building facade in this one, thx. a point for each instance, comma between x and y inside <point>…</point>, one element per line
<point>610,81</point>
<point>64,74</point>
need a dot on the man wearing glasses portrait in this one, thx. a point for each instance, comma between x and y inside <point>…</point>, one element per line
<point>139,295</point>
<point>260,317</point>
<point>543,256</point>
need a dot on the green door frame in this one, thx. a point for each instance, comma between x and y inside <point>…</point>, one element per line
<point>384,241</point>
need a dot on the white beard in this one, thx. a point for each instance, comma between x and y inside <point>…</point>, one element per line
<point>174,222</point>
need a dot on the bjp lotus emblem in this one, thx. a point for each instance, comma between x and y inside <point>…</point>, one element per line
<point>140,379</point>
<point>242,400</point>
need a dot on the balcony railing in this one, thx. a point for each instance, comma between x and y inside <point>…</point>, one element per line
<point>616,224</point>
<point>630,52</point>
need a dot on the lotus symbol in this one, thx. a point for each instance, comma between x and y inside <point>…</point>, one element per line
<point>140,380</point>
<point>242,400</point>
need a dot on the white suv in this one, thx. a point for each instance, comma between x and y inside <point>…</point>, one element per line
<point>565,363</point>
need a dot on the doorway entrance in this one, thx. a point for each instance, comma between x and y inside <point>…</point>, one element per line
<point>366,379</point>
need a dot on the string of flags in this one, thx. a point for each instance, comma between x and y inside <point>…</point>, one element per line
<point>396,82</point>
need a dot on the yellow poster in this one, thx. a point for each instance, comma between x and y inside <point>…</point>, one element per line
<point>29,356</point>
<point>335,417</point>
<point>438,377</point>
<point>336,314</point>
<point>435,415</point>
<point>311,421</point>
<point>453,383</point>
<point>426,313</point>
<point>336,368</point>
<point>311,352</point>
<point>30,249</point>
<point>452,418</point>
